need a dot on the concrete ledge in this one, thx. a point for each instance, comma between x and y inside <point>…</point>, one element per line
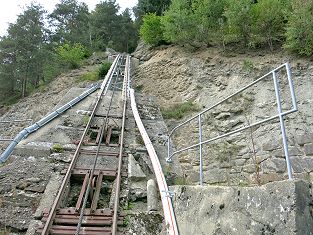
<point>284,207</point>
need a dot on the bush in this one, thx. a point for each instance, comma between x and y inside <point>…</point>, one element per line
<point>104,69</point>
<point>72,56</point>
<point>178,111</point>
<point>151,30</point>
<point>268,22</point>
<point>178,22</point>
<point>57,148</point>
<point>300,28</point>
<point>239,20</point>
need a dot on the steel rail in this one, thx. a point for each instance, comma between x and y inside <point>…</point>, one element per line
<point>66,180</point>
<point>118,178</point>
<point>105,123</point>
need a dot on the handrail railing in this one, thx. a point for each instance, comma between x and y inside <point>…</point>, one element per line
<point>280,115</point>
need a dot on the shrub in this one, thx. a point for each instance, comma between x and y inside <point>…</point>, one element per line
<point>239,20</point>
<point>300,28</point>
<point>268,22</point>
<point>179,24</point>
<point>72,55</point>
<point>57,148</point>
<point>104,69</point>
<point>151,30</point>
<point>178,111</point>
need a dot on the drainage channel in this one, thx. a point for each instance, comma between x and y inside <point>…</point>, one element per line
<point>88,199</point>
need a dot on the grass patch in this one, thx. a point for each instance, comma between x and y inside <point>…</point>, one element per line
<point>90,76</point>
<point>57,148</point>
<point>178,111</point>
<point>248,65</point>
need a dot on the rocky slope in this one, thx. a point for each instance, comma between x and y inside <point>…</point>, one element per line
<point>174,75</point>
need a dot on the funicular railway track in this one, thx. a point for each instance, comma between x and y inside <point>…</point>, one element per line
<point>88,199</point>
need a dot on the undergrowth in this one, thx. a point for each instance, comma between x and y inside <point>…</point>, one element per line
<point>178,111</point>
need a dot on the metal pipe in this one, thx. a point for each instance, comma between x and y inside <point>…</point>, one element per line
<point>231,133</point>
<point>282,125</point>
<point>227,98</point>
<point>200,151</point>
<point>292,90</point>
<point>5,140</point>
<point>25,132</point>
<point>169,215</point>
<point>25,120</point>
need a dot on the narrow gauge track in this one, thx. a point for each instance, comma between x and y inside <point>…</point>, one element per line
<point>88,200</point>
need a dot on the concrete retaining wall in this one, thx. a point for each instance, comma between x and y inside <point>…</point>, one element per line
<point>284,207</point>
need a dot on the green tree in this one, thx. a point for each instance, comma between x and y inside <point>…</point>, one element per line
<point>128,37</point>
<point>151,6</point>
<point>208,16</point>
<point>268,22</point>
<point>179,23</point>
<point>71,56</point>
<point>196,22</point>
<point>105,24</point>
<point>151,30</point>
<point>239,20</point>
<point>26,39</point>
<point>300,28</point>
<point>70,21</point>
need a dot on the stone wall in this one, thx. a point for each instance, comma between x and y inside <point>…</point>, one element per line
<point>175,75</point>
<point>284,207</point>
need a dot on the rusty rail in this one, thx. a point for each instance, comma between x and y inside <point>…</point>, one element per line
<point>68,220</point>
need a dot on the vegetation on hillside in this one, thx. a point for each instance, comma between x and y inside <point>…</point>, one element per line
<point>245,23</point>
<point>39,46</point>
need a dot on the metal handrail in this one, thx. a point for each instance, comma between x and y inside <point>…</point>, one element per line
<point>280,115</point>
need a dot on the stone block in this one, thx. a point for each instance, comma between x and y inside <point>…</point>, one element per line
<point>301,164</point>
<point>214,176</point>
<point>270,177</point>
<point>152,196</point>
<point>275,208</point>
<point>135,172</point>
<point>240,162</point>
<point>308,149</point>
<point>304,139</point>
<point>271,145</point>
<point>249,168</point>
<point>294,151</point>
<point>274,165</point>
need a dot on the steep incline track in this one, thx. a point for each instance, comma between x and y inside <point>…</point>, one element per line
<point>88,200</point>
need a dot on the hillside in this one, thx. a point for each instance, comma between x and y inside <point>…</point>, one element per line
<point>175,75</point>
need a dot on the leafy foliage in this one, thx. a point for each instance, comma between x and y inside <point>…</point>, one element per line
<point>70,21</point>
<point>72,55</point>
<point>239,20</point>
<point>104,69</point>
<point>268,22</point>
<point>300,28</point>
<point>151,30</point>
<point>145,7</point>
